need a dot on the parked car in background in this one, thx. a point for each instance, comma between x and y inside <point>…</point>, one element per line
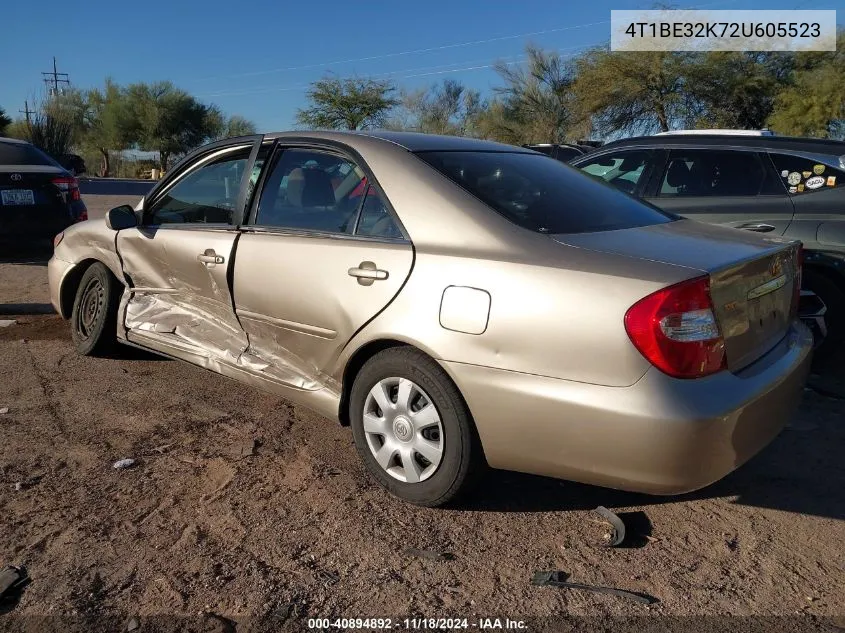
<point>455,301</point>
<point>38,197</point>
<point>775,185</point>
<point>560,151</point>
<point>73,163</point>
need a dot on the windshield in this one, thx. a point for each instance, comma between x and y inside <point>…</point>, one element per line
<point>543,194</point>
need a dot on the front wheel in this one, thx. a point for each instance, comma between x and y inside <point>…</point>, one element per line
<point>94,316</point>
<point>412,428</point>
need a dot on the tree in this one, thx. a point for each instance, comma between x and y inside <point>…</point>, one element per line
<point>5,121</point>
<point>171,122</point>
<point>235,125</point>
<point>734,90</point>
<point>633,92</point>
<point>536,103</point>
<point>351,104</point>
<point>239,126</point>
<point>814,103</point>
<point>109,123</point>
<point>51,133</point>
<point>445,108</point>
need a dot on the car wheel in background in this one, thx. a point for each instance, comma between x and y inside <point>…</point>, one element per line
<point>93,322</point>
<point>412,428</point>
<point>832,296</point>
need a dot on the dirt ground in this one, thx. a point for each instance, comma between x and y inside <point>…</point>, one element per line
<point>244,512</point>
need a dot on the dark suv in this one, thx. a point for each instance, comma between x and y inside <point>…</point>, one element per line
<point>794,187</point>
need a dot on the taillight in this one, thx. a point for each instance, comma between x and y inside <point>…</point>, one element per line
<point>67,185</point>
<point>676,330</point>
<point>82,216</point>
<point>796,284</point>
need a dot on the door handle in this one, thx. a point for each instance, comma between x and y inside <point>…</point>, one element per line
<point>210,257</point>
<point>757,228</point>
<point>367,273</point>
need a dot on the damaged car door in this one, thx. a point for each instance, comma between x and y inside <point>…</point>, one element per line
<point>178,258</point>
<point>321,254</point>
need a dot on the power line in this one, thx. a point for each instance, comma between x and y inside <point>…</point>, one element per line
<point>408,52</point>
<point>54,78</point>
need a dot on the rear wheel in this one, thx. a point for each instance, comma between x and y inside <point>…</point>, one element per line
<point>412,428</point>
<point>833,298</point>
<point>94,316</point>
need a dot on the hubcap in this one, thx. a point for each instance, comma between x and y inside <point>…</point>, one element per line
<point>403,430</point>
<point>90,307</point>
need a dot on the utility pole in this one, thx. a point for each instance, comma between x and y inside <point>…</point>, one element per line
<point>53,79</point>
<point>26,111</point>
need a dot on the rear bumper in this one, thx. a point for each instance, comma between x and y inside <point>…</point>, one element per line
<point>661,435</point>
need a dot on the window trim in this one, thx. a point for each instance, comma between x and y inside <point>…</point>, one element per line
<point>329,147</point>
<point>672,151</point>
<point>202,159</point>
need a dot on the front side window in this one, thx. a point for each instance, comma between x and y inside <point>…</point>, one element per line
<point>712,173</point>
<point>207,194</point>
<point>313,191</point>
<point>623,170</point>
<point>803,175</point>
<point>543,194</point>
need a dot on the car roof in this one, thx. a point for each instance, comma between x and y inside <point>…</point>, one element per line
<point>9,139</point>
<point>791,143</point>
<point>411,141</point>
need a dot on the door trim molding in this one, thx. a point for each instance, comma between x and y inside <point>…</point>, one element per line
<point>293,326</point>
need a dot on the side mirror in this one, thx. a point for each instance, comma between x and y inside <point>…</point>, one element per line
<point>122,217</point>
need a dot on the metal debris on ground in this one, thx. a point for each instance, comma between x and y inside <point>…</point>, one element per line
<point>132,625</point>
<point>123,463</point>
<point>428,554</point>
<point>12,580</point>
<point>559,579</point>
<point>4,410</point>
<point>617,532</point>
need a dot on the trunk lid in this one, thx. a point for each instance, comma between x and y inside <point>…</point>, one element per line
<point>47,211</point>
<point>752,278</point>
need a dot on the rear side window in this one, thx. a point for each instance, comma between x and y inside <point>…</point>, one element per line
<point>24,154</point>
<point>543,194</point>
<point>804,175</point>
<point>712,173</point>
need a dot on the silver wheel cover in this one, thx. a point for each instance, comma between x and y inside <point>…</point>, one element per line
<point>403,430</point>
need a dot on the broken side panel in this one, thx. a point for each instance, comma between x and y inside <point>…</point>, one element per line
<point>180,292</point>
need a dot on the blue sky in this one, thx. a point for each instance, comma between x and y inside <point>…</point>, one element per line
<point>256,58</point>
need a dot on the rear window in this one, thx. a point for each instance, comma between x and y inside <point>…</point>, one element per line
<point>543,194</point>
<point>23,154</point>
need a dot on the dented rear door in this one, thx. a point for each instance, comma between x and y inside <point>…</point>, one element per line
<point>178,261</point>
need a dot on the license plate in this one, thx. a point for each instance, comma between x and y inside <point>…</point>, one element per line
<point>17,196</point>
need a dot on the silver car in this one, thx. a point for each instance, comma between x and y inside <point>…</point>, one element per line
<point>458,303</point>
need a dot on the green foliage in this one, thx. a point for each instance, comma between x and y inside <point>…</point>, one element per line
<point>50,132</point>
<point>169,120</point>
<point>814,102</point>
<point>445,108</point>
<point>537,101</point>
<point>350,104</point>
<point>5,121</point>
<point>632,92</point>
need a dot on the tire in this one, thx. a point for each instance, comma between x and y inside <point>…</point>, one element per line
<point>93,321</point>
<point>461,459</point>
<point>833,297</point>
